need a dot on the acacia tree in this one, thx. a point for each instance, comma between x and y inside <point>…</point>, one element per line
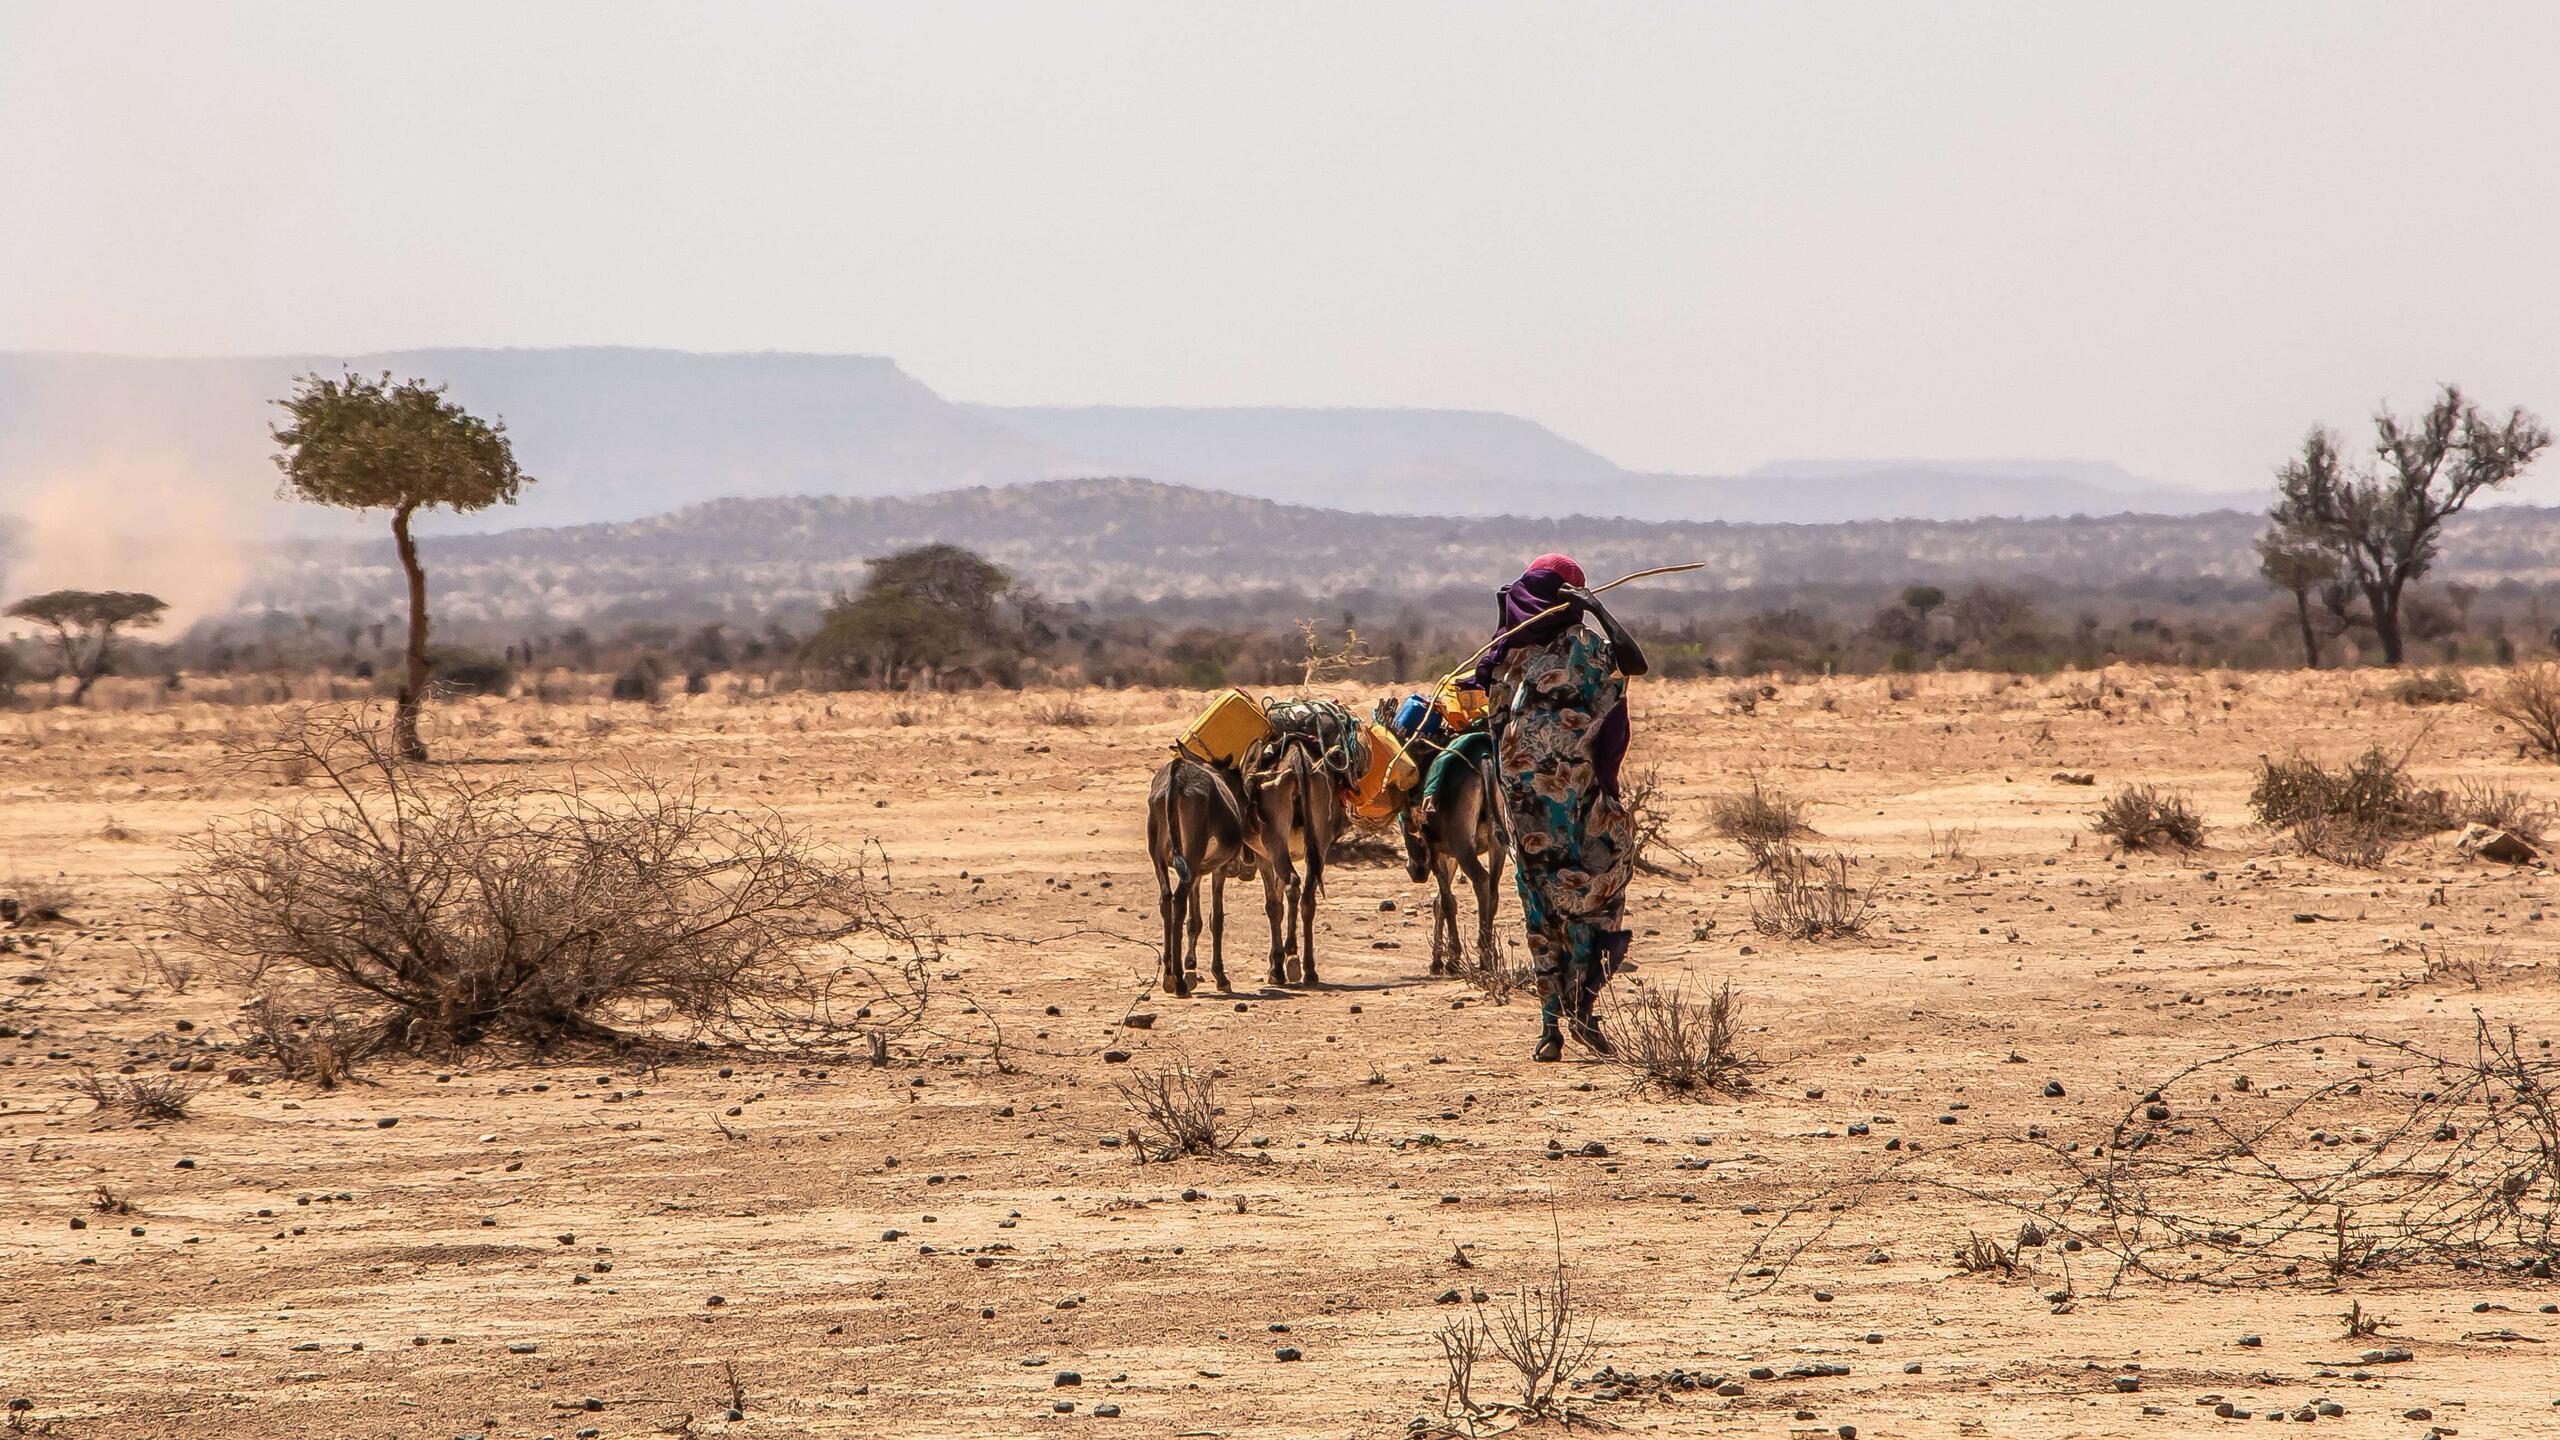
<point>933,607</point>
<point>368,444</point>
<point>2384,522</point>
<point>82,626</point>
<point>2307,571</point>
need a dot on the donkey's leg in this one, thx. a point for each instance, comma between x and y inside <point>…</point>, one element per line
<point>1312,892</point>
<point>1481,880</point>
<point>1273,900</point>
<point>1444,921</point>
<point>1218,929</point>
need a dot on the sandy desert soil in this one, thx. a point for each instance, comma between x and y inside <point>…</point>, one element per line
<point>535,1248</point>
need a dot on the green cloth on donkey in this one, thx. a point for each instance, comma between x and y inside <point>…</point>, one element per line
<point>1466,751</point>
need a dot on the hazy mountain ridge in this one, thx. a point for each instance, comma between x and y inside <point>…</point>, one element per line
<point>619,433</point>
<point>1134,540</point>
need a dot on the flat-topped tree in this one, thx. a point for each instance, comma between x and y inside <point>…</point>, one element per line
<point>368,444</point>
<point>2385,522</point>
<point>82,626</point>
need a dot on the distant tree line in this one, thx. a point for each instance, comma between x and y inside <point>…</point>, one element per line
<point>2350,543</point>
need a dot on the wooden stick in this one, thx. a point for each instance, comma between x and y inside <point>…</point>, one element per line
<point>1487,647</point>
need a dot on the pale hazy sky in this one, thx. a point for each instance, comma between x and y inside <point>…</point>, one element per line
<point>1693,237</point>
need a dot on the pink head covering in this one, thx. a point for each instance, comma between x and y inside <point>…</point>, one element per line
<point>1561,566</point>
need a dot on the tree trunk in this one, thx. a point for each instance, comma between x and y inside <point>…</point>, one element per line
<point>2310,633</point>
<point>413,686</point>
<point>2386,621</point>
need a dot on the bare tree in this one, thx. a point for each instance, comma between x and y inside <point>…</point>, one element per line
<point>364,444</point>
<point>82,626</point>
<point>2385,522</point>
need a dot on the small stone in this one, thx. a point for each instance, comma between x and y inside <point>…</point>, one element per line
<point>1065,1378</point>
<point>1106,1411</point>
<point>1285,1352</point>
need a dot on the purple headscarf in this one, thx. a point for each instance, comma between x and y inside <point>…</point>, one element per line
<point>1522,601</point>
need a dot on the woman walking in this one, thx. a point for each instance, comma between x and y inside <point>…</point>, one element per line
<point>1559,693</point>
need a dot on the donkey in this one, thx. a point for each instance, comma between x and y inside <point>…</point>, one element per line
<point>1196,826</point>
<point>1297,807</point>
<point>1461,834</point>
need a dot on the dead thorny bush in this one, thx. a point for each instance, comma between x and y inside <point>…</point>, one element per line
<point>1540,1335</point>
<point>2529,699</point>
<point>1177,1110</point>
<point>141,1097</point>
<point>2145,817</point>
<point>2292,1161</point>
<point>1813,899</point>
<point>1062,711</point>
<point>314,1043</point>
<point>1650,819</point>
<point>29,899</point>
<point>1764,820</point>
<point>1497,973</point>
<point>2501,807</point>
<point>453,909</point>
<point>2351,815</point>
<point>1676,1045</point>
<point>2440,687</point>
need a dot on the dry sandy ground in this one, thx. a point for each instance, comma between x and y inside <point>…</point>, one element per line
<point>534,1249</point>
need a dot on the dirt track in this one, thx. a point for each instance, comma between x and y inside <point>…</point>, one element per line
<point>530,1238</point>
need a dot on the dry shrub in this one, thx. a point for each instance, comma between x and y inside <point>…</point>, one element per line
<point>2529,699</point>
<point>2352,815</point>
<point>1540,1333</point>
<point>2501,807</point>
<point>1985,1255</point>
<point>1764,820</point>
<point>1498,973</point>
<point>143,1097</point>
<point>1676,1045</point>
<point>1812,899</point>
<point>319,1048</point>
<point>1178,1114</point>
<point>1064,711</point>
<point>2442,687</point>
<point>450,909</point>
<point>29,899</point>
<point>2143,817</point>
<point>1651,819</point>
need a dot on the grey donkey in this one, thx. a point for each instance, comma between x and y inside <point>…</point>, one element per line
<point>1457,833</point>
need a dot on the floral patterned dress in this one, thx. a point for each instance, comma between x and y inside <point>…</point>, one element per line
<point>1572,842</point>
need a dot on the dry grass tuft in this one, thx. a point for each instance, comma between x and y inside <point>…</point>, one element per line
<point>2352,816</point>
<point>142,1097</point>
<point>1497,974</point>
<point>1813,899</point>
<point>2144,817</point>
<point>1178,1114</point>
<point>1064,711</point>
<point>2502,807</point>
<point>2529,699</point>
<point>1676,1045</point>
<point>1985,1255</point>
<point>2441,687</point>
<point>1764,820</point>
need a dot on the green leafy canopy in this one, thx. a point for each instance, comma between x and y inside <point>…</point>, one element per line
<point>368,444</point>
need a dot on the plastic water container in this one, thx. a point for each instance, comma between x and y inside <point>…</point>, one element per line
<point>1232,725</point>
